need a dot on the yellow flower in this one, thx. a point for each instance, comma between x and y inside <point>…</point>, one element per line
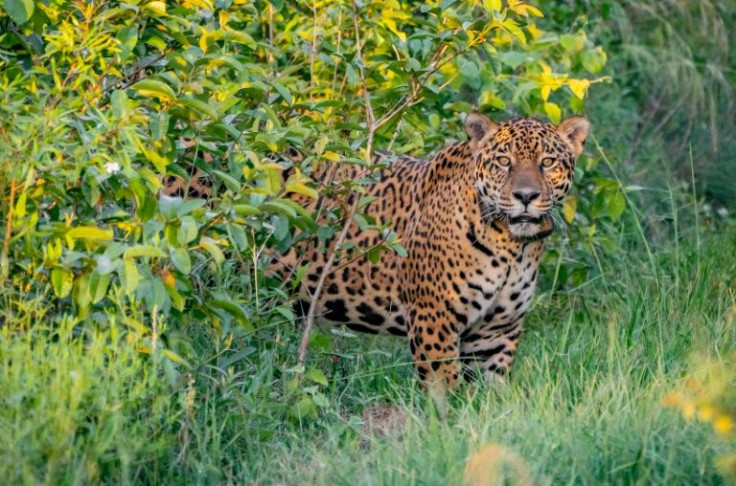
<point>705,413</point>
<point>672,399</point>
<point>723,424</point>
<point>688,409</point>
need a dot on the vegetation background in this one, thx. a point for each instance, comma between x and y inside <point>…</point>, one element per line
<point>141,342</point>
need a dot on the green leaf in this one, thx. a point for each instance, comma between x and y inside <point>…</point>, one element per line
<point>198,107</point>
<point>19,10</point>
<point>62,280</point>
<point>106,264</point>
<point>158,161</point>
<point>569,208</point>
<point>434,121</point>
<point>373,255</point>
<point>304,409</point>
<point>399,250</point>
<point>279,207</point>
<point>492,6</point>
<point>488,99</point>
<point>229,181</point>
<point>240,239</point>
<point>20,206</point>
<point>169,206</point>
<point>128,38</point>
<point>571,42</point>
<point>181,260</point>
<point>317,376</point>
<point>513,28</point>
<point>144,251</point>
<point>513,59</point>
<point>129,276</point>
<point>190,205</point>
<point>241,38</point>
<point>234,310</point>
<point>89,233</point>
<point>594,60</point>
<point>301,188</point>
<point>175,358</point>
<point>616,205</point>
<point>98,286</point>
<point>155,88</point>
<point>158,295</point>
<point>284,93</point>
<point>187,231</point>
<point>214,250</point>
<point>470,71</point>
<point>553,112</point>
<point>245,210</point>
<point>120,103</point>
<point>280,227</point>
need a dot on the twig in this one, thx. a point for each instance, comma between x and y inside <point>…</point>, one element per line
<point>130,79</point>
<point>327,268</point>
<point>366,96</point>
<point>313,49</point>
<point>9,224</point>
<point>269,54</point>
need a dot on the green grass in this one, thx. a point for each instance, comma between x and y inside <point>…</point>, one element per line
<point>583,407</point>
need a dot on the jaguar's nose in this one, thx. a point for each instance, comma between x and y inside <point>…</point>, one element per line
<point>526,195</point>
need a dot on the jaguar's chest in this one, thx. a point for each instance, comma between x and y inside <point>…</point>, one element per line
<point>499,286</point>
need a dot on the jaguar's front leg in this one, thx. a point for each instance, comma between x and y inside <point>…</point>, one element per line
<point>433,339</point>
<point>490,349</point>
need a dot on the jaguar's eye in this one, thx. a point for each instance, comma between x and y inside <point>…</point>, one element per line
<point>548,162</point>
<point>503,161</point>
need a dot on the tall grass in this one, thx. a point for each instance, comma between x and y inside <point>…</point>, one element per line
<point>584,405</point>
<point>674,73</point>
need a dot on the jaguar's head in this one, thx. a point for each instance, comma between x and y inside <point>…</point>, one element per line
<point>523,168</point>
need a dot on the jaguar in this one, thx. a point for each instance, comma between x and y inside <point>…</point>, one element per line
<point>472,219</point>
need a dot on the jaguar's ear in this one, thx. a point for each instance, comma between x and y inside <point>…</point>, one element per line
<point>478,126</point>
<point>574,131</point>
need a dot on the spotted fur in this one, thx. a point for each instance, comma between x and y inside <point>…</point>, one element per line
<point>472,219</point>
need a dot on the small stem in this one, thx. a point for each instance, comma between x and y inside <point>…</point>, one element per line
<point>269,54</point>
<point>8,227</point>
<point>313,49</point>
<point>327,268</point>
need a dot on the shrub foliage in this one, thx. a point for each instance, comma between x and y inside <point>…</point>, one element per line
<point>102,101</point>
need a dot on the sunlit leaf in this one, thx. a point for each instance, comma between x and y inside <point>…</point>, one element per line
<point>155,88</point>
<point>234,310</point>
<point>213,249</point>
<point>198,107</point>
<point>89,233</point>
<point>129,276</point>
<point>144,251</point>
<point>62,280</point>
<point>553,111</point>
<point>569,208</point>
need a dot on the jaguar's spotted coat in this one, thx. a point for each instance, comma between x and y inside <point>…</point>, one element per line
<point>472,220</point>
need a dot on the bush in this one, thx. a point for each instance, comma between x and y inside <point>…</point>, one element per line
<point>102,101</point>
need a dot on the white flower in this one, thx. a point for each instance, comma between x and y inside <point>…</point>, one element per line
<point>112,167</point>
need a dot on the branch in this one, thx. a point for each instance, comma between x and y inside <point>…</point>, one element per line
<point>327,268</point>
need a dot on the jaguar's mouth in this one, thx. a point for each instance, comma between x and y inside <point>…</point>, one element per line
<point>525,219</point>
<point>530,228</point>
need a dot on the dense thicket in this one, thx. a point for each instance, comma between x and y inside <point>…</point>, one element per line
<point>102,101</point>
